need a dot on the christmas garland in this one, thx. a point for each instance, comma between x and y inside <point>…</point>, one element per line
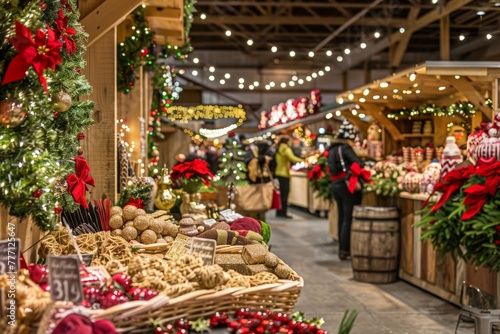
<point>462,109</point>
<point>186,114</point>
<point>183,51</point>
<point>465,220</point>
<point>42,116</point>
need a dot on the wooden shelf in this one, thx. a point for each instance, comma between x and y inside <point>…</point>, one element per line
<point>417,135</point>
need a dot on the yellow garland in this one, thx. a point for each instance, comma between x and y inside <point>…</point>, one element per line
<point>185,114</point>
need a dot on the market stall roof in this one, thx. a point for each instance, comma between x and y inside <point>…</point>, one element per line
<point>432,82</point>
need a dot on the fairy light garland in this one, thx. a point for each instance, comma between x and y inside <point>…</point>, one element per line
<point>186,114</point>
<point>462,109</point>
<point>215,133</point>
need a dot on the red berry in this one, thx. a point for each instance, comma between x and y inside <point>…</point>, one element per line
<point>233,325</point>
<point>159,330</point>
<point>55,114</point>
<point>80,152</point>
<point>281,317</point>
<point>37,193</point>
<point>214,321</point>
<point>181,331</point>
<point>313,329</point>
<point>497,242</point>
<point>113,298</point>
<point>123,280</point>
<point>78,70</point>
<point>260,330</point>
<point>169,328</point>
<point>81,136</point>
<point>43,5</point>
<point>58,210</point>
<point>243,330</point>
<point>242,313</point>
<point>320,331</point>
<point>182,324</point>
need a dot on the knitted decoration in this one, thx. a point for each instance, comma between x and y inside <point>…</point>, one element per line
<point>347,131</point>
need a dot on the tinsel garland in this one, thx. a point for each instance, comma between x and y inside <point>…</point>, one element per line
<point>37,155</point>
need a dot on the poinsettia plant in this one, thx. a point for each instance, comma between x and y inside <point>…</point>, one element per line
<point>319,178</point>
<point>191,175</point>
<point>465,221</point>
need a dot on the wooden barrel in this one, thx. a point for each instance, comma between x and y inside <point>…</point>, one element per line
<point>375,244</point>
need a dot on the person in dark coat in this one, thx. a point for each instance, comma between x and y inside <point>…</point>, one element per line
<point>340,158</point>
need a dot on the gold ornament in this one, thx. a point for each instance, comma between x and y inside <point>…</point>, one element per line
<point>12,113</point>
<point>62,101</point>
<point>165,198</point>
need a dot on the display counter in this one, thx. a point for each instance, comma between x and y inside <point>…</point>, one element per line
<point>301,193</point>
<point>425,267</point>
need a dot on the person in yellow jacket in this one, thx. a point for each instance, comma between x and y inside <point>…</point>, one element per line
<point>284,157</point>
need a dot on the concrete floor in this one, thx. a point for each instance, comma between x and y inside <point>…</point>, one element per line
<point>398,308</point>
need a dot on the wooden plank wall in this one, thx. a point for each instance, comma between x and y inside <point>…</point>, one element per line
<point>100,139</point>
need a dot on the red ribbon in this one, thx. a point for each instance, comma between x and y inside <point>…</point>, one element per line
<point>77,184</point>
<point>356,173</point>
<point>315,173</point>
<point>452,181</point>
<point>135,202</point>
<point>476,196</point>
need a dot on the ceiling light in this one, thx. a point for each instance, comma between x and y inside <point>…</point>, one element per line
<point>295,78</point>
<point>274,49</point>
<point>395,91</point>
<point>354,112</point>
<point>366,92</point>
<point>211,78</point>
<point>417,91</point>
<point>376,34</point>
<point>384,84</point>
<point>339,58</point>
<point>347,51</point>
<point>314,75</point>
<point>241,86</point>
<point>292,53</point>
<point>362,100</point>
<point>413,76</point>
<point>196,60</point>
<point>203,16</point>
<point>251,87</point>
<point>291,83</point>
<point>308,78</point>
<point>301,81</point>
<point>457,77</point>
<point>249,42</point>
<point>241,80</point>
<point>489,36</point>
<point>461,37</point>
<point>385,97</point>
<point>227,75</point>
<point>480,12</point>
<point>310,54</point>
<point>321,73</point>
<point>329,115</point>
<point>329,53</point>
<point>434,2</point>
<point>402,30</point>
<point>415,85</point>
<point>222,81</point>
<point>195,72</point>
<point>272,84</point>
<point>376,97</point>
<point>362,115</point>
<point>256,83</point>
<point>283,85</point>
<point>228,33</point>
<point>362,45</point>
<point>268,87</point>
<point>327,68</point>
<point>341,100</point>
<point>211,69</point>
<point>350,96</point>
<point>442,88</point>
<point>338,113</point>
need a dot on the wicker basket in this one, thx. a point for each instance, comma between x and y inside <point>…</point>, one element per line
<point>134,317</point>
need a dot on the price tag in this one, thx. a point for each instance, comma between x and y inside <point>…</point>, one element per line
<point>179,247</point>
<point>10,251</point>
<point>205,248</point>
<point>64,279</point>
<point>210,221</point>
<point>87,259</point>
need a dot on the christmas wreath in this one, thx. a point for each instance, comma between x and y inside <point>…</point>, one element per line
<point>465,220</point>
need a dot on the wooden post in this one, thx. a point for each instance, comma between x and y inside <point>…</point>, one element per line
<point>495,95</point>
<point>444,36</point>
<point>100,140</point>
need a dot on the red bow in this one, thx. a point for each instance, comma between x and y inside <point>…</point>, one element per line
<point>356,173</point>
<point>451,183</point>
<point>135,202</point>
<point>315,173</point>
<point>77,184</point>
<point>41,53</point>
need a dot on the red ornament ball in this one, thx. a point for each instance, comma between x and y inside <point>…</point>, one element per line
<point>37,193</point>
<point>45,287</point>
<point>123,280</point>
<point>58,210</point>
<point>144,52</point>
<point>182,324</point>
<point>55,113</point>
<point>43,5</point>
<point>497,242</point>
<point>81,136</point>
<point>38,273</point>
<point>80,152</point>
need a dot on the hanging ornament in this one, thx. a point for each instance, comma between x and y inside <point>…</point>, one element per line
<point>62,101</point>
<point>58,210</point>
<point>52,135</point>
<point>80,152</point>
<point>144,52</point>
<point>43,5</point>
<point>12,113</point>
<point>37,193</point>
<point>155,153</point>
<point>81,136</point>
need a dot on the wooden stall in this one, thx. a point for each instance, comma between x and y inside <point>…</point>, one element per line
<point>433,83</point>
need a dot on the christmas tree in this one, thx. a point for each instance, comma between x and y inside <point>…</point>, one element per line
<point>41,117</point>
<point>232,169</point>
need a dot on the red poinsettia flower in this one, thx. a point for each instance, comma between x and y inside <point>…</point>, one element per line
<point>65,32</point>
<point>192,169</point>
<point>66,5</point>
<point>41,53</point>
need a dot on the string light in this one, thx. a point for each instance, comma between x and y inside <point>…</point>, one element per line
<point>274,49</point>
<point>308,78</point>
<point>347,51</point>
<point>185,114</point>
<point>362,45</point>
<point>340,58</point>
<point>222,81</point>
<point>203,16</point>
<point>211,69</point>
<point>292,53</point>
<point>241,80</point>
<point>241,86</point>
<point>249,42</point>
<point>329,53</point>
<point>196,60</point>
<point>311,54</point>
<point>215,133</point>
<point>228,33</point>
<point>227,75</point>
<point>301,81</point>
<point>376,34</point>
<point>461,37</point>
<point>211,78</point>
<point>488,36</point>
<point>195,72</point>
<point>256,83</point>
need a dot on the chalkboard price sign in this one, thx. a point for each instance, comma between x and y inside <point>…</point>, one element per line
<point>10,251</point>
<point>64,279</point>
<point>87,259</point>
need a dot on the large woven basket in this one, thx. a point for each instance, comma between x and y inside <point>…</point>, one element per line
<point>135,317</point>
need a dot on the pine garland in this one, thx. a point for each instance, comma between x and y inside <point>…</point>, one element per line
<point>37,155</point>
